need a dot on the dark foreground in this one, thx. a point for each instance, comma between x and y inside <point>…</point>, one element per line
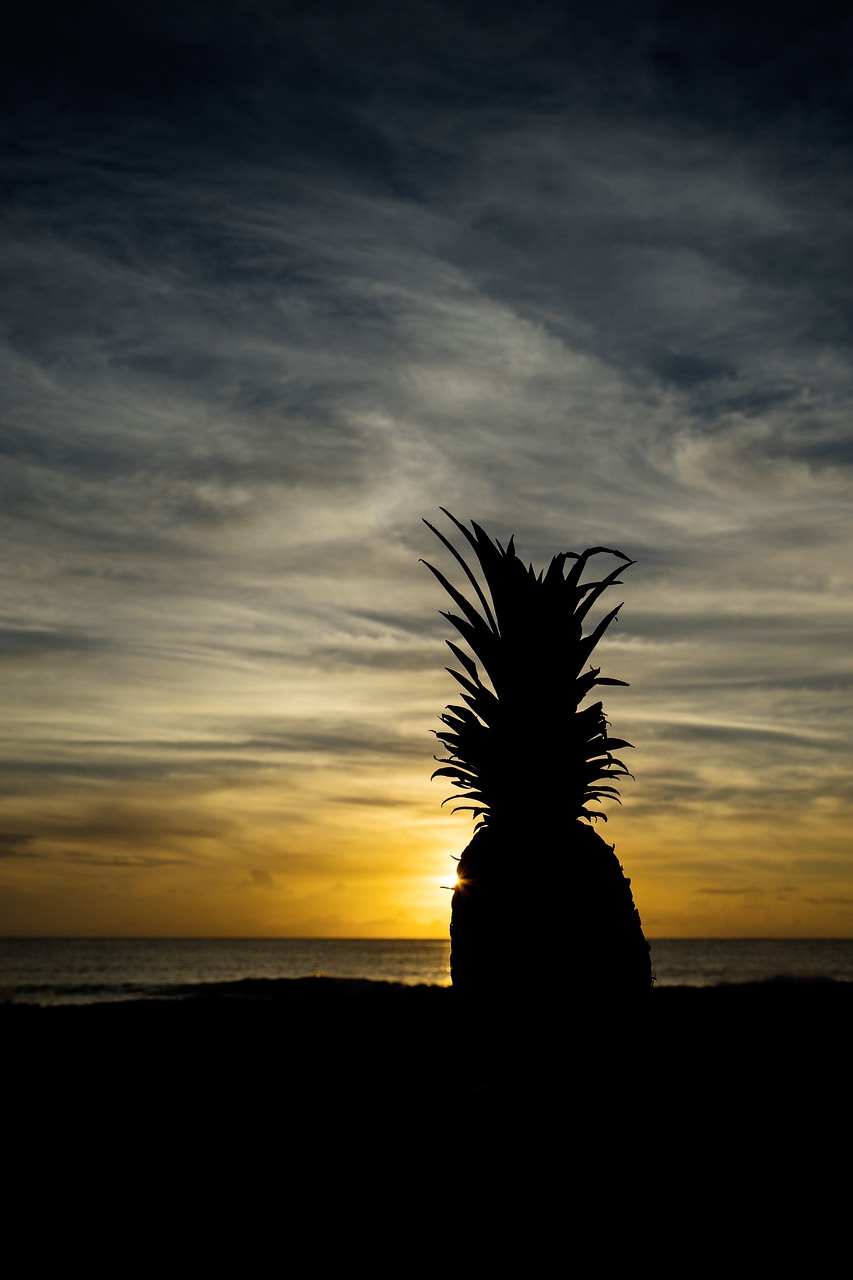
<point>730,1101</point>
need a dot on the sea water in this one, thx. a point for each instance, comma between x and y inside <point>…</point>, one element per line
<point>87,970</point>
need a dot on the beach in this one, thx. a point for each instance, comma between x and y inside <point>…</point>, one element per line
<point>293,1107</point>
<point>316,1054</point>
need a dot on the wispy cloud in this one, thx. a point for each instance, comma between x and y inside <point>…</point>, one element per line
<point>584,281</point>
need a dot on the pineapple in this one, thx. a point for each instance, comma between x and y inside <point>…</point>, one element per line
<point>532,766</point>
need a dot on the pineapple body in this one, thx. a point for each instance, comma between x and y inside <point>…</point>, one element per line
<point>553,919</point>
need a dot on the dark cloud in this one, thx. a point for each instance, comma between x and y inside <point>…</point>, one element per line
<point>261,879</point>
<point>16,844</point>
<point>362,655</point>
<point>31,642</point>
<point>373,801</point>
<point>727,892</point>
<point>129,861</point>
<point>744,734</point>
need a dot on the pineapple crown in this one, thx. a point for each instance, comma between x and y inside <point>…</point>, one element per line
<point>525,724</point>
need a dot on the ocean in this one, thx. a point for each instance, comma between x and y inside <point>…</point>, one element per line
<point>90,970</point>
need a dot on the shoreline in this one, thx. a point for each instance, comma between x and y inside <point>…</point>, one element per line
<point>321,986</point>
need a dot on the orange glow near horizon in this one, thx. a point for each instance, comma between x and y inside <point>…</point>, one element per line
<point>339,881</point>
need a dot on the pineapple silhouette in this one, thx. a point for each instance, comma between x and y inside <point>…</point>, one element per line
<point>541,905</point>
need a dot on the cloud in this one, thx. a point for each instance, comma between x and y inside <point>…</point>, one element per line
<point>14,844</point>
<point>261,879</point>
<point>729,892</point>
<point>130,861</point>
<point>30,642</point>
<point>581,279</point>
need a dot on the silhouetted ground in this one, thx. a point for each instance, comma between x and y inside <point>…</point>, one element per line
<point>314,1096</point>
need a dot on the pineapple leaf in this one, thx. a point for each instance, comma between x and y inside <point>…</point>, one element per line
<point>589,642</point>
<point>527,640</point>
<point>469,665</point>
<point>595,589</point>
<point>457,597</point>
<point>474,583</point>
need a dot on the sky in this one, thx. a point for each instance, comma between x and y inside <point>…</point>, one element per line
<point>280,280</point>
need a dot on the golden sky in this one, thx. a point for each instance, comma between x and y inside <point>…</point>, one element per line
<point>261,321</point>
<point>200,775</point>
